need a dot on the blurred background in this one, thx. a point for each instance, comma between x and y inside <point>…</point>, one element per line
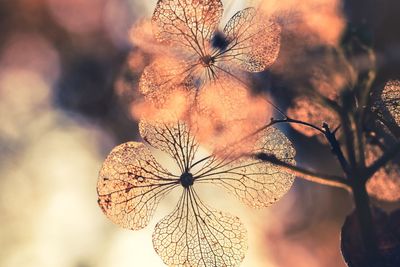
<point>68,73</point>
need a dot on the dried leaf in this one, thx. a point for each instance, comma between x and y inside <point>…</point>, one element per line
<point>254,41</point>
<point>196,235</point>
<point>130,185</point>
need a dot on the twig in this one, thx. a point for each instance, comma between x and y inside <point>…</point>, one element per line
<point>335,146</point>
<point>325,179</point>
<point>286,120</point>
<point>349,138</point>
<point>392,127</point>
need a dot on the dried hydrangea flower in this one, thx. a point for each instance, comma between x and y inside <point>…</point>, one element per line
<point>390,99</point>
<point>189,31</point>
<point>131,184</point>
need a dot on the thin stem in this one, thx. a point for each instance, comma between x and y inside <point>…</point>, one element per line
<point>286,120</point>
<point>392,127</point>
<point>336,149</point>
<point>349,138</point>
<point>330,136</point>
<point>319,178</point>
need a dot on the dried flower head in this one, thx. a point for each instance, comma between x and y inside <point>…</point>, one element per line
<point>390,99</point>
<point>131,184</point>
<point>189,32</point>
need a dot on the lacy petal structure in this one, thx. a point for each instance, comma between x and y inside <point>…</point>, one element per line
<point>132,183</point>
<point>197,52</point>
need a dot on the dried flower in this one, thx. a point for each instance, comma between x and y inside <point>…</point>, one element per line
<point>131,184</point>
<point>390,99</point>
<point>197,51</point>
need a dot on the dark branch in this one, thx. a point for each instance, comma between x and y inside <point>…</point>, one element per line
<point>335,146</point>
<point>325,179</point>
<point>286,120</point>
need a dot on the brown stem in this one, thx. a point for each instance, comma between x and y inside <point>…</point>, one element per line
<point>366,224</point>
<point>335,147</point>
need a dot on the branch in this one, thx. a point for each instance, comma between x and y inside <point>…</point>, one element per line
<point>329,135</point>
<point>287,120</point>
<point>349,138</point>
<point>385,158</point>
<point>393,128</point>
<point>335,146</point>
<point>308,175</point>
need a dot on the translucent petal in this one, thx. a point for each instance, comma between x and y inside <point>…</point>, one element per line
<point>173,138</point>
<point>219,121</point>
<point>255,183</point>
<point>391,99</point>
<point>254,41</point>
<point>187,23</point>
<point>385,183</point>
<point>196,235</point>
<point>130,185</point>
<point>164,76</point>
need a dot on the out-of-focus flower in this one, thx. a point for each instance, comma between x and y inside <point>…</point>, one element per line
<point>78,16</point>
<point>132,183</point>
<point>188,33</point>
<point>312,111</point>
<point>385,183</point>
<point>327,81</point>
<point>225,111</point>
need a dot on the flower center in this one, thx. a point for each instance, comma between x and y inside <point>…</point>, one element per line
<point>207,61</point>
<point>186,179</point>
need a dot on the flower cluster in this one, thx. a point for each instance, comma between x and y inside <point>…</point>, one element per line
<point>195,92</point>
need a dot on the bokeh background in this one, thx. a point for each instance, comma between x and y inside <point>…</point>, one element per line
<point>68,73</point>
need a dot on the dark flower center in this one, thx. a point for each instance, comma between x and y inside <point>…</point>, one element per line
<point>207,61</point>
<point>220,41</point>
<point>186,179</point>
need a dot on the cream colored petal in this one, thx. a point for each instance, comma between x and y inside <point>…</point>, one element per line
<point>255,183</point>
<point>197,235</point>
<point>173,138</point>
<point>187,24</point>
<point>254,41</point>
<point>131,184</point>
